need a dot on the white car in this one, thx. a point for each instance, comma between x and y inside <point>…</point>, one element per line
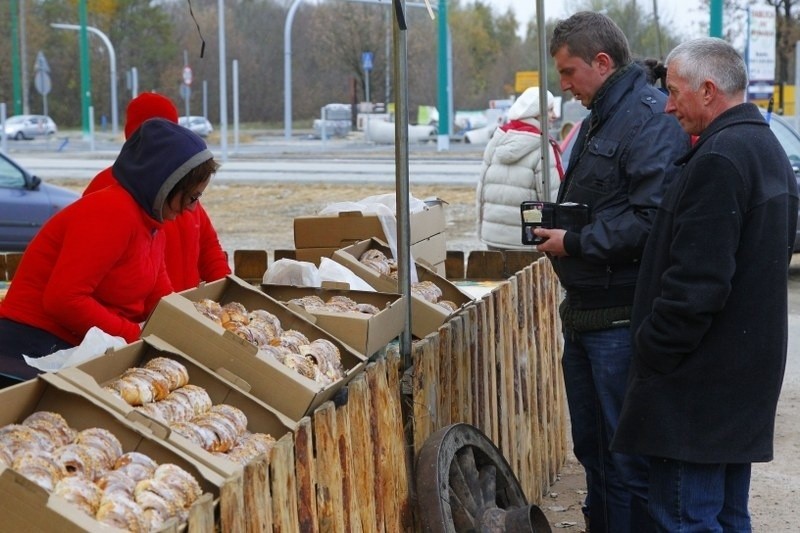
<point>27,127</point>
<point>199,125</point>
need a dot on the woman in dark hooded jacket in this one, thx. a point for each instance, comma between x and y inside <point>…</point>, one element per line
<point>100,261</point>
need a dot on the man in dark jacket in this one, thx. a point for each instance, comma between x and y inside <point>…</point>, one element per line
<point>710,312</point>
<point>622,160</point>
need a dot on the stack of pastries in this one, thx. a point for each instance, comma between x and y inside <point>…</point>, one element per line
<point>89,469</point>
<point>161,390</point>
<point>427,290</point>
<point>319,360</point>
<point>335,304</point>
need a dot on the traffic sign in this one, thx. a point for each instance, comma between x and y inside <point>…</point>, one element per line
<point>366,60</point>
<point>41,63</point>
<point>42,83</point>
<point>187,75</point>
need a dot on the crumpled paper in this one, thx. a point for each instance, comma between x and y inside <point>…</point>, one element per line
<point>305,274</point>
<point>94,343</point>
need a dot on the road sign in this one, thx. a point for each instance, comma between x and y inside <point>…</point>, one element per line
<point>42,83</point>
<point>186,92</point>
<point>41,63</point>
<point>187,75</point>
<point>366,60</point>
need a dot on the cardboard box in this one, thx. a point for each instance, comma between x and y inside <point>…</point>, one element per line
<point>92,375</point>
<point>345,228</point>
<point>425,316</point>
<point>366,333</point>
<point>176,321</point>
<point>25,506</point>
<point>431,251</point>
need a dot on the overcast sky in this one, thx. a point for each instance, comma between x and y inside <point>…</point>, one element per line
<point>681,13</point>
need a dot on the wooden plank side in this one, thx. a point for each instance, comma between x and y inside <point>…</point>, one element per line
<point>257,496</point>
<point>445,396</point>
<point>250,264</point>
<point>520,358</point>
<point>454,264</point>
<point>535,459</point>
<point>492,372</point>
<point>485,264</point>
<point>386,461</point>
<point>201,515</point>
<point>283,485</point>
<point>329,472</point>
<point>352,521</point>
<point>404,471</point>
<point>12,262</point>
<point>544,366</point>
<point>506,363</point>
<point>361,422</point>
<point>425,390</point>
<point>231,505</point>
<point>306,477</point>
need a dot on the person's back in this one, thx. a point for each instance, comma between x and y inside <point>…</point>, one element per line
<point>194,253</point>
<point>512,172</point>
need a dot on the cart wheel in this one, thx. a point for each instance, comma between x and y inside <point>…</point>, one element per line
<point>464,484</point>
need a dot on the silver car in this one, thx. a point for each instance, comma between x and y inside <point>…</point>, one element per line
<point>26,127</point>
<point>199,125</point>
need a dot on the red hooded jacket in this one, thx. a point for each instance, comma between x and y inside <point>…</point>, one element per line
<point>193,251</point>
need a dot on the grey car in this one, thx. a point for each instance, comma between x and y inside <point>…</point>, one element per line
<point>26,127</point>
<point>26,203</point>
<point>199,125</point>
<point>783,130</point>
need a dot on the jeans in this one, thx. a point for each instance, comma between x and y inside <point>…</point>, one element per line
<point>595,375</point>
<point>691,497</point>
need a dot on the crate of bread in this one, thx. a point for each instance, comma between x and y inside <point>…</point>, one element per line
<point>69,464</point>
<point>433,298</point>
<point>236,330</point>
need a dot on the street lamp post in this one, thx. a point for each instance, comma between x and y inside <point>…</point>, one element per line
<point>112,63</point>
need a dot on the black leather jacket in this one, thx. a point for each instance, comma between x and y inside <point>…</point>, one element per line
<point>621,163</point>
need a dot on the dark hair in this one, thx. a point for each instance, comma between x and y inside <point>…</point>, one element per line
<point>193,178</point>
<point>586,34</point>
<point>655,70</point>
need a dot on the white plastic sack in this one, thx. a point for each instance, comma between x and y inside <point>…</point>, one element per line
<point>94,343</point>
<point>291,272</point>
<point>330,270</point>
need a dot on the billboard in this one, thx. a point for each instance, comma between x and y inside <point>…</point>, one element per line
<point>760,54</point>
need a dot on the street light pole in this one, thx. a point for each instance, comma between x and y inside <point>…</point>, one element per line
<point>86,84</point>
<point>112,61</point>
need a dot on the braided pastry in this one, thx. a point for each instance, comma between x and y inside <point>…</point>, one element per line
<point>328,359</point>
<point>447,304</point>
<point>234,414</point>
<point>175,372</point>
<point>202,436</point>
<point>180,480</point>
<point>265,320</point>
<point>234,312</point>
<point>223,428</point>
<point>116,483</point>
<point>102,440</point>
<point>309,302</point>
<point>39,467</point>
<point>6,455</point>
<point>197,397</point>
<point>122,513</point>
<point>135,465</point>
<point>210,309</point>
<point>250,445</point>
<point>155,509</point>
<point>51,424</point>
<point>367,309</point>
<point>427,290</point>
<point>79,460</point>
<point>291,339</point>
<point>18,438</point>
<point>80,492</point>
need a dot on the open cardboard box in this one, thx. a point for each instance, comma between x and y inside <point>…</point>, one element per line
<point>92,375</point>
<point>366,333</point>
<point>432,250</point>
<point>345,228</point>
<point>176,321</point>
<point>426,317</point>
<point>26,506</point>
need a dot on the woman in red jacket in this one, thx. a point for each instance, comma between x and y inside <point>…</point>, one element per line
<point>100,261</point>
<point>194,253</point>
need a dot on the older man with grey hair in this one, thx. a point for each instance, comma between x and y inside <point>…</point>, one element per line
<point>709,319</point>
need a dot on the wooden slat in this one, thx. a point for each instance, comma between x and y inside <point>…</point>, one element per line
<point>3,274</point>
<point>350,499</point>
<point>454,265</point>
<point>485,264</point>
<point>516,260</point>
<point>361,423</point>
<point>425,390</point>
<point>403,473</point>
<point>445,374</point>
<point>231,505</point>
<point>283,485</point>
<point>277,255</point>
<point>385,458</point>
<point>329,471</point>
<point>12,262</point>
<point>250,265</point>
<point>257,495</point>
<point>306,476</point>
<point>201,515</point>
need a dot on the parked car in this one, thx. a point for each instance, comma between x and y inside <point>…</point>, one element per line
<point>199,125</point>
<point>787,135</point>
<point>25,204</point>
<point>19,127</point>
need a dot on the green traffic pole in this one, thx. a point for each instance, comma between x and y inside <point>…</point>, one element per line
<point>86,91</point>
<point>715,24</point>
<point>444,105</point>
<point>16,75</point>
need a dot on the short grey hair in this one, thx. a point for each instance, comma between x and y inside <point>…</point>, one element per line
<point>709,58</point>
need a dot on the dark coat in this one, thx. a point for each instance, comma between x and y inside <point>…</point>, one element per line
<point>619,167</point>
<point>710,311</point>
